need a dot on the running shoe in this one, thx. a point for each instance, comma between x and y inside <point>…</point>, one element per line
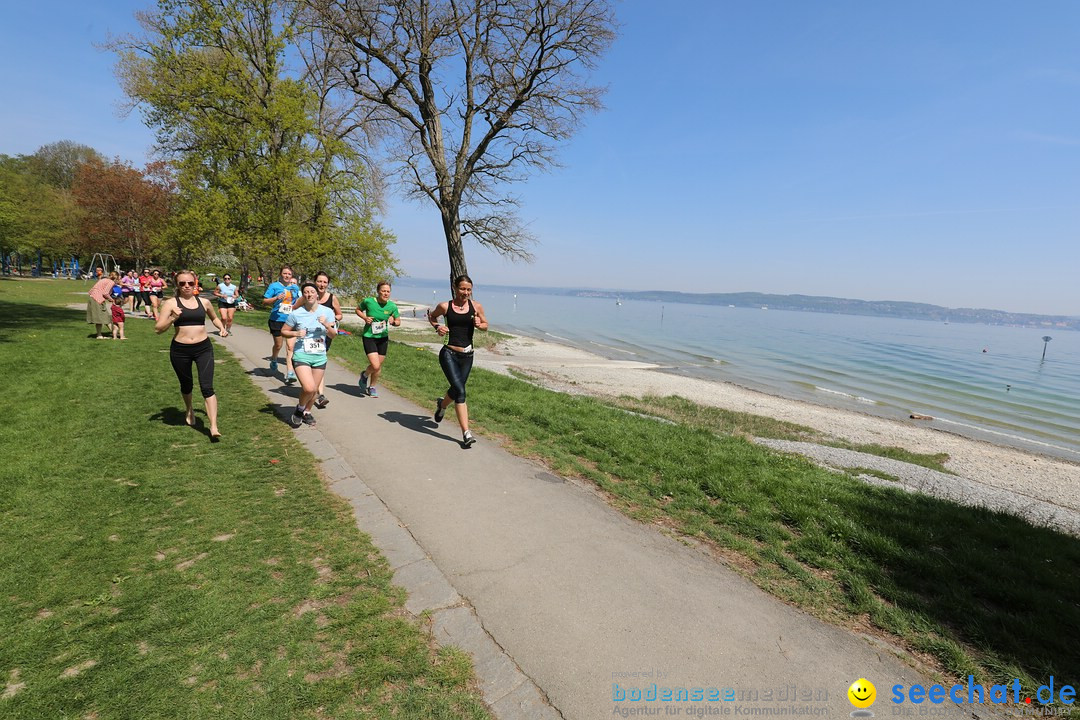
<point>362,382</point>
<point>439,411</point>
<point>321,402</point>
<point>290,378</point>
<point>372,392</point>
<point>273,366</point>
<point>297,418</point>
<point>309,419</point>
<point>467,440</point>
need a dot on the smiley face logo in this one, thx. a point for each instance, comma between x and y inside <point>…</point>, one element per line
<point>862,693</point>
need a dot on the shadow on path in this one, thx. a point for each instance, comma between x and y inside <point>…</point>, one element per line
<point>350,389</point>
<point>417,423</point>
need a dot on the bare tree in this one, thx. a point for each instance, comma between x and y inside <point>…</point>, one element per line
<point>471,94</point>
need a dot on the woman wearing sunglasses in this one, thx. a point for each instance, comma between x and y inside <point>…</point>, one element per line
<point>187,314</point>
<point>227,295</point>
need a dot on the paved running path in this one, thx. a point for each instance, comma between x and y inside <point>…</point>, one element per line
<point>576,597</point>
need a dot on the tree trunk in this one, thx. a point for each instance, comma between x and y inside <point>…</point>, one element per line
<point>452,230</point>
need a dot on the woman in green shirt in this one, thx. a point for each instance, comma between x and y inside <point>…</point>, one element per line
<point>379,313</point>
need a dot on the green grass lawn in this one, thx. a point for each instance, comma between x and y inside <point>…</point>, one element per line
<point>148,573</point>
<point>972,591</point>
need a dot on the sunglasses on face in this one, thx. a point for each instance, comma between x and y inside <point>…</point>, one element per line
<point>185,284</point>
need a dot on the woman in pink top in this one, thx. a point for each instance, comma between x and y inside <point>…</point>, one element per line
<point>157,287</point>
<point>97,307</point>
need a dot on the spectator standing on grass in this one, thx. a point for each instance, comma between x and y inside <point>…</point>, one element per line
<point>329,301</point>
<point>186,313</point>
<point>463,316</point>
<point>281,296</point>
<point>97,307</point>
<point>379,313</point>
<point>310,325</point>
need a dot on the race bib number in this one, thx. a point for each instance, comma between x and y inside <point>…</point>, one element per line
<point>229,301</point>
<point>314,346</point>
<point>378,327</point>
<point>285,308</point>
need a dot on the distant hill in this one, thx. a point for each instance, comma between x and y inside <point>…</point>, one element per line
<point>847,306</point>
<point>813,303</point>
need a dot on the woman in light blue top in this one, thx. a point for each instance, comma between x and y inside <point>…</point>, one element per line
<point>311,324</point>
<point>227,295</point>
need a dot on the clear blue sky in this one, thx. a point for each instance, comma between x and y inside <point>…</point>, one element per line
<point>921,151</point>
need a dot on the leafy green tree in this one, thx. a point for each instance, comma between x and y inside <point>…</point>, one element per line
<point>35,216</point>
<point>260,176</point>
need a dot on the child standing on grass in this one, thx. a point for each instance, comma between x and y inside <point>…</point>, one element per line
<point>118,318</point>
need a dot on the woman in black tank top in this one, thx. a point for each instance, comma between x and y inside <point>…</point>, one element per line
<point>463,316</point>
<point>186,314</point>
<point>327,299</point>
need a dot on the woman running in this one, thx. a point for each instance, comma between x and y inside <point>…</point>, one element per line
<point>144,294</point>
<point>463,316</point>
<point>127,281</point>
<point>311,325</point>
<point>187,314</point>
<point>327,300</point>
<point>157,290</point>
<point>379,313</point>
<point>227,295</point>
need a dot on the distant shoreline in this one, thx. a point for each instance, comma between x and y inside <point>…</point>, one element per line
<point>802,303</point>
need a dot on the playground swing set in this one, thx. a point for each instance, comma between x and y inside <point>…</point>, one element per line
<point>11,263</point>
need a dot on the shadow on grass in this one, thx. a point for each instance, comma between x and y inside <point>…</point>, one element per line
<point>19,317</point>
<point>1003,588</point>
<point>175,417</point>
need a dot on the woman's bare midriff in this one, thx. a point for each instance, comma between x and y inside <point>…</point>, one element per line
<point>190,334</point>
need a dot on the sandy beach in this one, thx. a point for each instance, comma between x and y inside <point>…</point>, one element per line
<point>571,370</point>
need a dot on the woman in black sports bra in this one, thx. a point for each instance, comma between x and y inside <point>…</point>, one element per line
<point>463,316</point>
<point>186,313</point>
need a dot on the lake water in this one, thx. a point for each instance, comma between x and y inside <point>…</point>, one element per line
<point>881,366</point>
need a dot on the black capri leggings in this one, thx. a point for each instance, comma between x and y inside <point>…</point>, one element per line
<point>456,366</point>
<point>202,354</point>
